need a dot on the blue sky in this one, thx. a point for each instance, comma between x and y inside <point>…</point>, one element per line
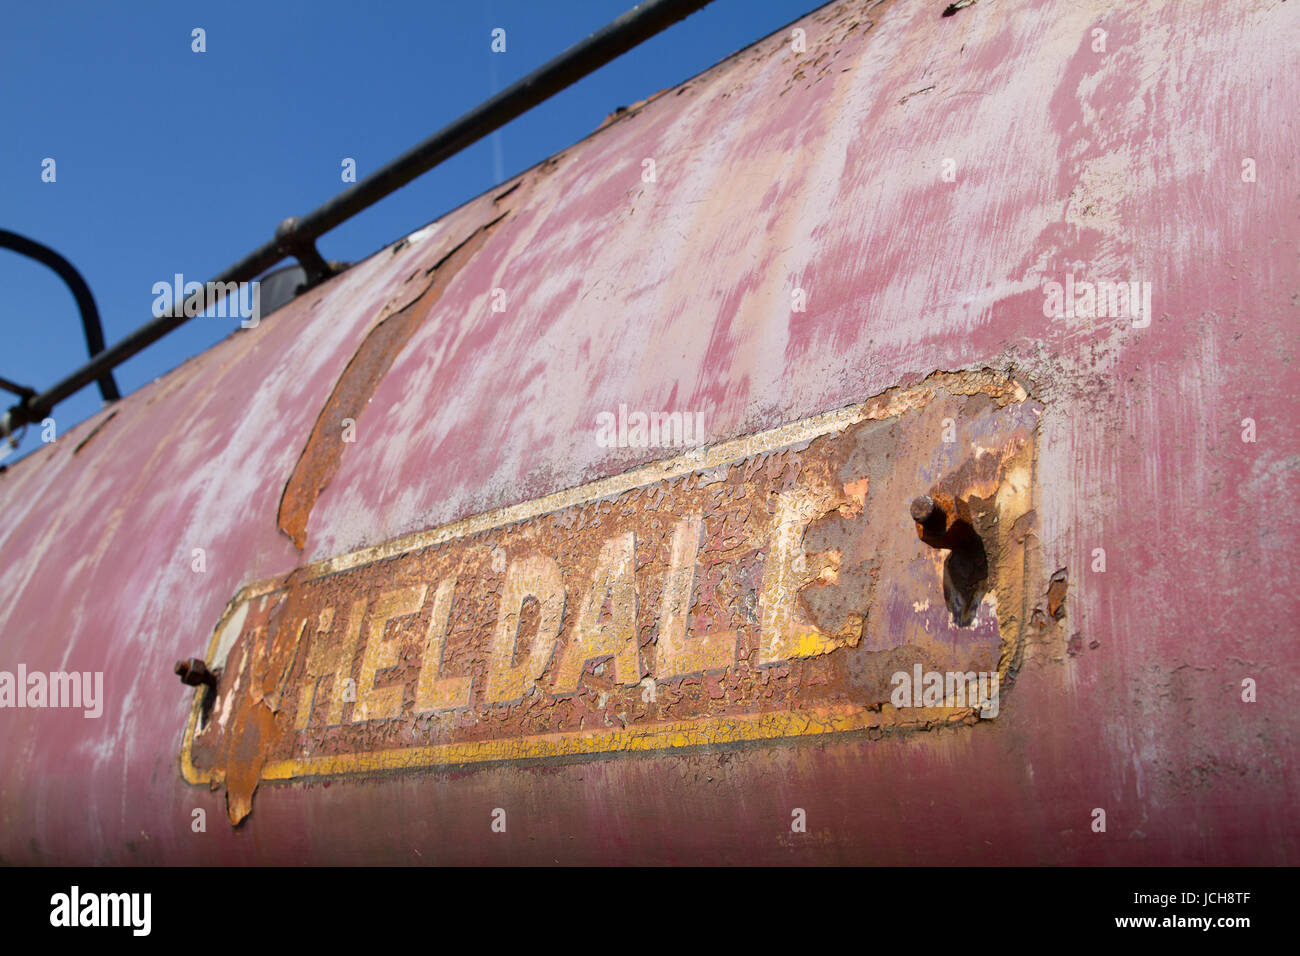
<point>173,161</point>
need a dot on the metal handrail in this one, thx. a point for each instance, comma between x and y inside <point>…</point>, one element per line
<point>85,303</point>
<point>297,236</point>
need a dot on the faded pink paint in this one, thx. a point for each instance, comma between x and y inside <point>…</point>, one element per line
<point>676,295</point>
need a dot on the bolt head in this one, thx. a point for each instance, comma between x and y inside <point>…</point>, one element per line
<point>194,672</point>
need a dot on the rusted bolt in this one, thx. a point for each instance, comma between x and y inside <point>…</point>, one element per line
<point>936,517</point>
<point>944,522</point>
<point>195,672</point>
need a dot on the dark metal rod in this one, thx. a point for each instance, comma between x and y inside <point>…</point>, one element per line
<point>80,291</point>
<point>622,34</point>
<point>22,391</point>
<point>616,38</point>
<point>242,271</point>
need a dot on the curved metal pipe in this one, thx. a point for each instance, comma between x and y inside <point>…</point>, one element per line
<point>80,291</point>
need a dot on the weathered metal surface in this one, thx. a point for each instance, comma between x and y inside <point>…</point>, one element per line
<point>1163,154</point>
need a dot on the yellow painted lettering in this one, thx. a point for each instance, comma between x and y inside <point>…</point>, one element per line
<point>537,577</point>
<point>677,653</point>
<point>381,703</point>
<point>593,639</point>
<point>330,659</point>
<point>433,693</point>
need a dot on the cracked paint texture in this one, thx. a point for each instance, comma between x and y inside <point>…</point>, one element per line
<point>765,592</point>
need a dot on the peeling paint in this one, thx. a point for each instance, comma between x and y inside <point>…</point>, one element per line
<point>335,428</point>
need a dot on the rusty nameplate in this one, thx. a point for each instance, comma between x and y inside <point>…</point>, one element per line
<point>767,587</point>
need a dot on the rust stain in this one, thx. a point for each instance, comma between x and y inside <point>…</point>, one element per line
<point>952,8</point>
<point>622,112</point>
<point>766,587</point>
<point>254,677</point>
<point>908,96</point>
<point>335,426</point>
<point>95,431</point>
<point>1056,594</point>
<point>826,42</point>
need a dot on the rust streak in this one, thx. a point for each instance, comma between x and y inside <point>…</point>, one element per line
<point>323,453</point>
<point>1056,594</point>
<point>94,431</point>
